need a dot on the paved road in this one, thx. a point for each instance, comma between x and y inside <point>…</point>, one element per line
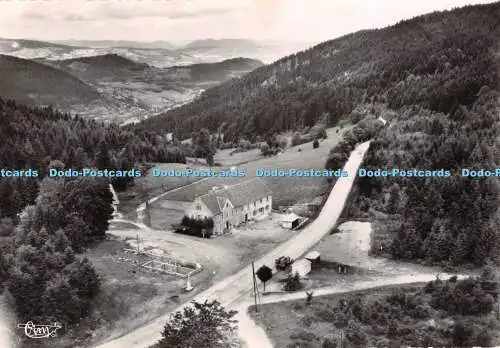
<point>232,290</point>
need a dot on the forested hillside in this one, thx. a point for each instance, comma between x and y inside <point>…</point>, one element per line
<point>107,66</point>
<point>445,112</point>
<point>220,70</point>
<point>33,137</point>
<point>32,83</point>
<point>45,221</point>
<point>435,60</point>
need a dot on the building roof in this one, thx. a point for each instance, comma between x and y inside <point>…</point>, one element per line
<point>290,217</point>
<point>238,194</point>
<point>302,267</point>
<point>312,255</point>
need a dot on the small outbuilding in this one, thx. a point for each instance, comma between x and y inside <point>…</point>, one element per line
<point>290,221</point>
<point>313,257</point>
<point>302,267</point>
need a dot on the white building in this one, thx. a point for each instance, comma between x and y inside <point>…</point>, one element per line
<point>302,267</point>
<point>233,205</point>
<point>290,221</point>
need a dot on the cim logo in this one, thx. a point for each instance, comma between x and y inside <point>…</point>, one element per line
<point>40,331</point>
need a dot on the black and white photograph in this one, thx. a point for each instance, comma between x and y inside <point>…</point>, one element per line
<point>249,173</point>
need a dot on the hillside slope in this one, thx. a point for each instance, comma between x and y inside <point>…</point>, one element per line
<point>114,67</point>
<point>35,83</point>
<point>220,71</point>
<point>101,67</point>
<point>327,81</point>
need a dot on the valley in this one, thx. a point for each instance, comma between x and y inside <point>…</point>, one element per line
<point>121,84</point>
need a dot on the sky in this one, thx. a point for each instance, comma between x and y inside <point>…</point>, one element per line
<point>184,20</point>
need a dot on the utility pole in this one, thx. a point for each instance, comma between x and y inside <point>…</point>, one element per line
<point>147,214</point>
<point>254,287</point>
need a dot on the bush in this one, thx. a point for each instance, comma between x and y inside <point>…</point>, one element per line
<point>293,283</point>
<point>265,150</point>
<point>355,335</point>
<point>303,336</point>
<point>244,144</point>
<point>326,315</point>
<point>319,131</point>
<point>196,227</point>
<point>307,320</point>
<point>296,139</point>
<point>328,343</point>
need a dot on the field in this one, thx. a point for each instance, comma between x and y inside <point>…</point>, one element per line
<point>287,191</point>
<point>149,186</point>
<point>132,295</point>
<point>228,158</point>
<point>224,254</point>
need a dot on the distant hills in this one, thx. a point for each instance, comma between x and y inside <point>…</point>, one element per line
<point>32,49</point>
<point>157,53</point>
<point>222,45</point>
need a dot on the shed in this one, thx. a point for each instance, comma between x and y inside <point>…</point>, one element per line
<point>302,267</point>
<point>313,256</point>
<point>290,221</point>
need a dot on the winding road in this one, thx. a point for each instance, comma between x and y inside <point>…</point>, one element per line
<point>234,290</point>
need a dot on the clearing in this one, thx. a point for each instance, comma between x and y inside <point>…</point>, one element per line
<point>287,191</point>
<point>131,299</point>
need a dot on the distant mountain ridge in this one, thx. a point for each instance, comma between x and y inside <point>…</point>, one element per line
<point>221,43</point>
<point>164,45</point>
